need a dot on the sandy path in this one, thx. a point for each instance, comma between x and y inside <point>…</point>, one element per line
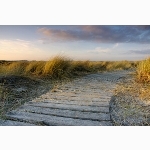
<point>82,102</point>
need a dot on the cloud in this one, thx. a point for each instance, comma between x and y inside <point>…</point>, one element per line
<point>99,50</point>
<point>97,33</point>
<point>145,51</point>
<point>19,50</point>
<point>59,35</point>
<point>116,45</point>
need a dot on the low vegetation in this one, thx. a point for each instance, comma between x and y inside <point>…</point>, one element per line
<point>143,79</point>
<point>60,67</point>
<point>130,104</point>
<point>143,71</point>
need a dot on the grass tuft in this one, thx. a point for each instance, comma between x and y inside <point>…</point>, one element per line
<point>16,68</point>
<point>143,71</point>
<point>35,68</point>
<point>57,67</point>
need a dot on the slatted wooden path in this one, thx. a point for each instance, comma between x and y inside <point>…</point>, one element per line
<point>82,102</point>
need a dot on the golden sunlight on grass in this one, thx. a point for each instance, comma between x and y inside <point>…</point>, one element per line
<point>35,67</point>
<point>143,70</point>
<point>56,67</point>
<point>61,67</point>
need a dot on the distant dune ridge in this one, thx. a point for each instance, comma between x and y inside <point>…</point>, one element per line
<point>61,66</point>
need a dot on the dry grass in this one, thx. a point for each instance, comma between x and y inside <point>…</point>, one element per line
<point>143,70</point>
<point>35,68</point>
<point>57,67</point>
<point>82,66</point>
<point>130,104</point>
<point>60,67</point>
<point>119,65</point>
<point>16,68</point>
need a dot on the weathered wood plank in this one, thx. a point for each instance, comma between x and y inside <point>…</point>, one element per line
<point>79,98</point>
<point>71,107</point>
<point>53,120</point>
<point>82,103</point>
<point>66,113</point>
<point>14,123</point>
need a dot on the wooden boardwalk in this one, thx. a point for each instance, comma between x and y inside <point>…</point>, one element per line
<point>82,102</point>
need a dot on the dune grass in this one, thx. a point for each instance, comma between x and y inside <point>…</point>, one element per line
<point>35,68</point>
<point>61,67</point>
<point>57,67</point>
<point>143,71</point>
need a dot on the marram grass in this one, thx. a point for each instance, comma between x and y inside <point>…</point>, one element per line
<point>61,67</point>
<point>35,68</point>
<point>57,66</point>
<point>143,70</point>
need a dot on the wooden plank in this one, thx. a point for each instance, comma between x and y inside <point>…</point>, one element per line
<point>67,113</point>
<point>14,123</point>
<point>79,98</point>
<point>82,103</point>
<point>70,107</point>
<point>54,120</point>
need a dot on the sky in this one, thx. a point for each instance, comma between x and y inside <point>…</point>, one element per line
<point>79,42</point>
